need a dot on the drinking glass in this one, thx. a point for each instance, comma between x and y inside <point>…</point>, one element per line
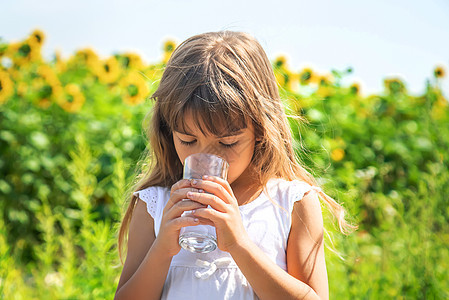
<point>201,238</point>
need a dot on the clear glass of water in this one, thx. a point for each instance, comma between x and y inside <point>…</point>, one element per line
<point>201,238</point>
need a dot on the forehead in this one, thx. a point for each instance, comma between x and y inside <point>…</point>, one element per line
<point>195,123</point>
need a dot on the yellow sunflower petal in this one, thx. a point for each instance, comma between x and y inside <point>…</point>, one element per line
<point>108,71</point>
<point>38,37</point>
<point>6,87</point>
<point>338,154</point>
<point>73,99</point>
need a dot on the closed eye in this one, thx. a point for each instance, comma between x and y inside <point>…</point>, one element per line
<point>187,143</point>
<point>190,143</point>
<point>229,145</point>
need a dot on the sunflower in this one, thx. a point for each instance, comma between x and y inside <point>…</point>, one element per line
<point>169,47</point>
<point>337,154</point>
<point>324,80</point>
<point>131,61</point>
<point>48,74</point>
<point>87,54</point>
<point>439,72</point>
<point>88,57</point>
<point>280,62</point>
<point>325,86</point>
<point>47,86</point>
<point>24,52</point>
<point>72,99</point>
<point>135,88</point>
<point>6,87</point>
<point>354,89</point>
<point>394,85</point>
<point>37,37</point>
<point>306,76</point>
<point>30,49</point>
<point>108,71</point>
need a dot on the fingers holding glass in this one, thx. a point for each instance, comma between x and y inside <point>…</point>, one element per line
<point>202,238</point>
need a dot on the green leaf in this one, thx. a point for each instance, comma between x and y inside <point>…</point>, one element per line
<point>39,139</point>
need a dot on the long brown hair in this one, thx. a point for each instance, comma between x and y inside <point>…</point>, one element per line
<point>222,78</point>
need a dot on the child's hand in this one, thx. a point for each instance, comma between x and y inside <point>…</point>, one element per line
<point>224,213</point>
<point>172,221</point>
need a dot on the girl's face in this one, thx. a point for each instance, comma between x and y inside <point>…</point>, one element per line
<point>236,147</point>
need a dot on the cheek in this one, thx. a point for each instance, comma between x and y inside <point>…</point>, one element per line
<point>239,161</point>
<point>182,153</point>
<point>241,153</point>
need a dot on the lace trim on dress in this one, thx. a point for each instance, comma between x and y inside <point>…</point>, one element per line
<point>149,196</point>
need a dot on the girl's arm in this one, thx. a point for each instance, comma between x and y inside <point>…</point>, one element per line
<point>306,277</point>
<point>305,248</point>
<point>148,258</point>
<point>138,279</point>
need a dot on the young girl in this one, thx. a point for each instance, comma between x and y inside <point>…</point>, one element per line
<point>218,95</point>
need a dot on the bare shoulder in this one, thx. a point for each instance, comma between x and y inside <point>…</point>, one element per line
<point>140,238</point>
<point>305,251</point>
<point>308,211</point>
<point>141,222</point>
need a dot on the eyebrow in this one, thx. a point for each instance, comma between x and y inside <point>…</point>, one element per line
<point>228,134</point>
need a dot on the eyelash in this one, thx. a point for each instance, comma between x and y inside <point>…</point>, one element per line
<point>194,141</point>
<point>187,143</point>
<point>229,145</point>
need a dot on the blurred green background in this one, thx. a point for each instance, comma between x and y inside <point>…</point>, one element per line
<point>71,136</point>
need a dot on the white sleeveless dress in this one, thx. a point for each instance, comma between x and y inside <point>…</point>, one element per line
<point>215,275</point>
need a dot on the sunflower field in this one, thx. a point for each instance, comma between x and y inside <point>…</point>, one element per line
<point>71,138</point>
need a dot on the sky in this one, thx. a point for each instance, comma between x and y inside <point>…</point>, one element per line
<point>376,38</point>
